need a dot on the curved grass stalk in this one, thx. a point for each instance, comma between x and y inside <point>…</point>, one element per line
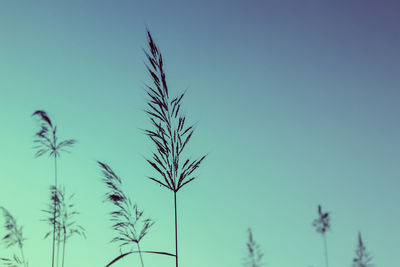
<point>140,252</point>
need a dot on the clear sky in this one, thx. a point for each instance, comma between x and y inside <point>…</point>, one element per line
<point>296,102</point>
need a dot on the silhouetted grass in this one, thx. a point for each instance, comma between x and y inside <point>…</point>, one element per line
<point>46,142</point>
<point>254,255</point>
<point>127,219</point>
<point>13,237</point>
<point>66,226</point>
<point>169,132</point>
<point>363,258</point>
<point>322,224</point>
<point>53,210</point>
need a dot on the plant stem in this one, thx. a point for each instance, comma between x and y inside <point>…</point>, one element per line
<point>58,247</point>
<point>63,248</point>
<point>326,250</point>
<point>23,256</point>
<point>140,254</point>
<point>176,231</point>
<point>54,213</point>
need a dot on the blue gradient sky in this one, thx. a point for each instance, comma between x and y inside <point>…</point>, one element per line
<point>296,102</point>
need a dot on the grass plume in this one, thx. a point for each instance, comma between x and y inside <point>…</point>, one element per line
<point>13,237</point>
<point>322,225</point>
<point>128,221</point>
<point>363,258</point>
<point>169,132</point>
<point>46,142</point>
<point>254,254</point>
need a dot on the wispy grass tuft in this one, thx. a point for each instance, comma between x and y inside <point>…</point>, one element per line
<point>128,221</point>
<point>46,140</point>
<point>322,225</point>
<point>13,237</point>
<point>169,133</point>
<point>363,258</point>
<point>254,255</point>
<point>66,225</point>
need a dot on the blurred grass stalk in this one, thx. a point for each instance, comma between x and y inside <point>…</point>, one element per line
<point>13,236</point>
<point>254,254</point>
<point>322,225</point>
<point>363,258</point>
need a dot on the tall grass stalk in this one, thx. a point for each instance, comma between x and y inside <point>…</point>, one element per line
<point>46,142</point>
<point>127,219</point>
<point>169,132</point>
<point>322,225</point>
<point>13,236</point>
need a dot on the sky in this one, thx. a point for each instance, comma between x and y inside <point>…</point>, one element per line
<point>296,104</point>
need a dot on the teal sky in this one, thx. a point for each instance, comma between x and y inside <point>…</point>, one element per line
<point>296,102</point>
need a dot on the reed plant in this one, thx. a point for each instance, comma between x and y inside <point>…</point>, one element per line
<point>322,225</point>
<point>363,258</point>
<point>13,237</point>
<point>46,142</point>
<point>254,255</point>
<point>52,213</point>
<point>66,225</point>
<point>127,219</point>
<point>169,132</point>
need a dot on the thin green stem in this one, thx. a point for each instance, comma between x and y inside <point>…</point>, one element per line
<point>23,256</point>
<point>176,231</point>
<point>140,254</point>
<point>58,247</point>
<point>54,212</point>
<point>326,250</point>
<point>65,237</point>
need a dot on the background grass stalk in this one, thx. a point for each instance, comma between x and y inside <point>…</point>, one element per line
<point>63,254</point>
<point>326,250</point>
<point>254,255</point>
<point>23,257</point>
<point>322,225</point>
<point>67,225</point>
<point>363,258</point>
<point>55,207</point>
<point>13,236</point>
<point>47,142</point>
